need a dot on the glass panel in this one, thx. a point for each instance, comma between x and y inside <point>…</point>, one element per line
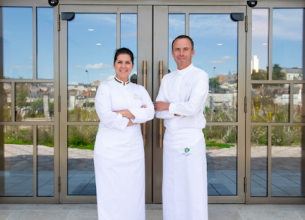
<point>298,110</point>
<point>17,30</point>
<point>89,61</point>
<point>260,30</point>
<point>270,102</point>
<point>5,98</point>
<point>287,44</point>
<point>34,102</point>
<point>129,34</point>
<point>16,163</point>
<point>81,179</point>
<point>45,161</point>
<point>221,150</point>
<point>176,27</point>
<point>288,159</point>
<point>215,37</point>
<point>45,43</point>
<point>259,161</point>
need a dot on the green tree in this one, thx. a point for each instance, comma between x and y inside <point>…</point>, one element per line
<point>260,75</point>
<point>21,94</point>
<point>277,73</point>
<point>213,82</point>
<point>37,104</point>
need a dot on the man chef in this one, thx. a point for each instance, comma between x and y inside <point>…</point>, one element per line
<point>181,102</point>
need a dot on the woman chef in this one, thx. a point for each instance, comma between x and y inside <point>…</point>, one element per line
<point>118,151</point>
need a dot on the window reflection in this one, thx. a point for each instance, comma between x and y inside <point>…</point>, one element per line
<point>259,161</point>
<point>89,61</point>
<point>17,30</point>
<point>221,150</point>
<point>287,44</point>
<point>45,43</point>
<point>129,23</point>
<point>298,110</point>
<point>176,27</point>
<point>34,102</point>
<point>215,37</point>
<point>270,103</point>
<point>5,101</point>
<point>287,159</point>
<point>260,30</point>
<point>16,171</point>
<point>45,161</point>
<point>81,178</point>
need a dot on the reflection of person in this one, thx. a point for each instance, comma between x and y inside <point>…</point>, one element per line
<point>118,151</point>
<point>180,102</point>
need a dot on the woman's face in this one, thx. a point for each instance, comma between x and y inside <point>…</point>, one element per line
<point>123,66</point>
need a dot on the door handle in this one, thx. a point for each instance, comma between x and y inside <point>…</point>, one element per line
<point>144,72</point>
<point>160,120</point>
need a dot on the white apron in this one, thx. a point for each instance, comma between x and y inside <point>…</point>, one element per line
<point>184,186</point>
<point>119,174</point>
<point>119,152</point>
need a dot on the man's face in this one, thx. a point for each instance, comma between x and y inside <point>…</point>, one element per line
<point>182,52</point>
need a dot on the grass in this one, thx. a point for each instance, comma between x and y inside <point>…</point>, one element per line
<point>12,141</point>
<point>221,145</point>
<point>87,147</point>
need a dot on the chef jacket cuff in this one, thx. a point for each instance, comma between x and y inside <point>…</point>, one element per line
<point>172,108</point>
<point>120,122</point>
<point>139,114</point>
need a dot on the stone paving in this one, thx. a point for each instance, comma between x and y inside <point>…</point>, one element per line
<point>153,212</point>
<point>222,175</point>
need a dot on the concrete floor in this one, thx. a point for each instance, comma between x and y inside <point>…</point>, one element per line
<point>153,212</point>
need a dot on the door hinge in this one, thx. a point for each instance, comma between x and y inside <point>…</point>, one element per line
<point>246,23</point>
<point>245,104</point>
<point>59,184</point>
<point>58,23</point>
<point>59,103</point>
<point>245,184</point>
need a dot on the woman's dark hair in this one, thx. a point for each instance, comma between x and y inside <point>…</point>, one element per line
<point>123,50</point>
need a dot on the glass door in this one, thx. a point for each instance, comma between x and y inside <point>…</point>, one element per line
<point>219,41</point>
<point>29,120</point>
<point>275,138</point>
<point>89,36</point>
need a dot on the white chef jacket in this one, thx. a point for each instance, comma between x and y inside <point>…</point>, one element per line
<point>118,151</point>
<point>187,91</point>
<point>114,96</point>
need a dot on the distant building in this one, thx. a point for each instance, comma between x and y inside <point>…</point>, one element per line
<point>294,73</point>
<point>255,64</point>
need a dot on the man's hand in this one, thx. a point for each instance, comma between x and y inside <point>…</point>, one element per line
<point>161,106</point>
<point>130,123</point>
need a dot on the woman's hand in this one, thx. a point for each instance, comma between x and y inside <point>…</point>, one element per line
<point>126,114</point>
<point>130,123</point>
<point>144,106</point>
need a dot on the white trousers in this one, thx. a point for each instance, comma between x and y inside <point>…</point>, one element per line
<point>184,186</point>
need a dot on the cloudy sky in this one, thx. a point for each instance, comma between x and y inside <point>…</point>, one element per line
<point>92,42</point>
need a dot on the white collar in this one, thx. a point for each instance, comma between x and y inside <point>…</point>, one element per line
<point>185,70</point>
<point>120,81</point>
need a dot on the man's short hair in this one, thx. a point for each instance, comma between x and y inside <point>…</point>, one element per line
<point>183,36</point>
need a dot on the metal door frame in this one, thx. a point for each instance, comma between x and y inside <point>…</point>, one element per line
<point>161,54</point>
<point>144,45</point>
<point>269,199</point>
<point>35,199</point>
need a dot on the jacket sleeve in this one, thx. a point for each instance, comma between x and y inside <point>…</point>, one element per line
<point>143,114</point>
<point>104,111</point>
<point>197,99</point>
<point>161,97</point>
